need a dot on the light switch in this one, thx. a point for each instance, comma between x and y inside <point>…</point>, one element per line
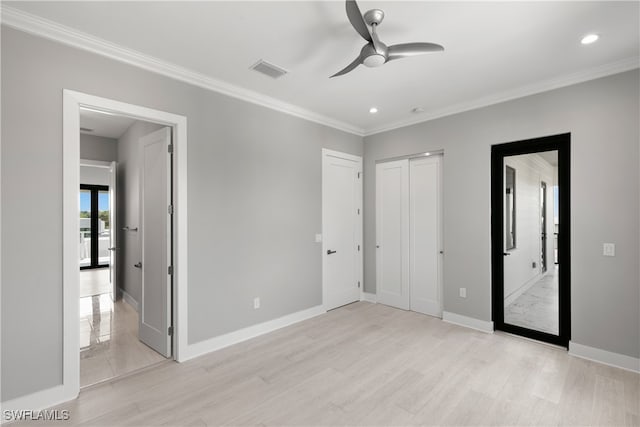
<point>609,249</point>
<point>318,238</point>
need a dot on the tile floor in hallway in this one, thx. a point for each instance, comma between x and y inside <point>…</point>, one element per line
<point>94,281</point>
<point>537,308</point>
<point>109,345</point>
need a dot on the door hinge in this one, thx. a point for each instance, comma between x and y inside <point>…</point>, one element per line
<point>170,209</point>
<point>170,269</point>
<point>358,211</point>
<point>358,283</point>
<point>170,331</point>
<point>359,174</point>
<point>358,248</point>
<point>170,148</point>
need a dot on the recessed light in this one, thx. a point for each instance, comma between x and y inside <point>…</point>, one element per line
<point>373,110</point>
<point>590,38</point>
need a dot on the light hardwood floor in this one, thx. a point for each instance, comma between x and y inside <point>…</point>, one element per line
<point>368,364</point>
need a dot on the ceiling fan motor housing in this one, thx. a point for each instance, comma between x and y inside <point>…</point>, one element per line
<point>373,17</point>
<point>373,58</point>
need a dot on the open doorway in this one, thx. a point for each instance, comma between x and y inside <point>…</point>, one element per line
<point>159,199</point>
<point>114,338</point>
<point>531,295</point>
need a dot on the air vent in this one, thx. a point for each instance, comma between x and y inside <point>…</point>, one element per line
<point>85,130</point>
<point>268,69</point>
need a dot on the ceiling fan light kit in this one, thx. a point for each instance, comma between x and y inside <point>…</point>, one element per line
<point>375,53</point>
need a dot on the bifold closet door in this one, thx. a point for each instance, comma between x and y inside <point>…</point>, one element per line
<point>392,233</point>
<point>424,235</point>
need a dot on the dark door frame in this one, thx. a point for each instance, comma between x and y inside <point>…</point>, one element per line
<point>562,144</point>
<point>95,189</point>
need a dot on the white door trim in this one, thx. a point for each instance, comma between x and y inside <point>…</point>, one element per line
<point>326,153</point>
<point>72,101</point>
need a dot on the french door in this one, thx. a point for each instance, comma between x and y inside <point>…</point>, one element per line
<point>95,227</point>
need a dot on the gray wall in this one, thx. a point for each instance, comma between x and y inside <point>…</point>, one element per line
<point>128,207</point>
<point>602,116</point>
<point>254,201</point>
<point>93,147</point>
<point>94,175</point>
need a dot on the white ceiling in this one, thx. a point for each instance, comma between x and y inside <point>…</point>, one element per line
<point>104,124</point>
<point>493,50</point>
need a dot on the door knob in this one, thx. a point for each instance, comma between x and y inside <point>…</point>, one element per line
<point>506,253</point>
<point>138,265</point>
<point>329,252</point>
<point>112,249</point>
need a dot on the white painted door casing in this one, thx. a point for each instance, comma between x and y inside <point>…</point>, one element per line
<point>155,234</point>
<point>341,228</point>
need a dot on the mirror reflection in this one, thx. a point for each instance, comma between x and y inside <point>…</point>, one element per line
<point>530,241</point>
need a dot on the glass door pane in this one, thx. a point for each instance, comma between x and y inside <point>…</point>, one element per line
<point>85,228</point>
<point>103,228</point>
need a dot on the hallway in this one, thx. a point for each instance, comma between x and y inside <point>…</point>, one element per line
<point>109,345</point>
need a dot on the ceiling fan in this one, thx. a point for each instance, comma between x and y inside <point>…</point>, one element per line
<point>375,53</point>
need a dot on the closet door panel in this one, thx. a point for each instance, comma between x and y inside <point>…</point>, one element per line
<point>392,233</point>
<point>424,236</point>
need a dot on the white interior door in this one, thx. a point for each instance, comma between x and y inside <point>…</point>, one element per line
<point>155,228</point>
<point>392,233</point>
<point>341,228</point>
<point>113,231</point>
<point>425,236</point>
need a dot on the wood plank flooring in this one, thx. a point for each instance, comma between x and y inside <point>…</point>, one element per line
<point>368,364</point>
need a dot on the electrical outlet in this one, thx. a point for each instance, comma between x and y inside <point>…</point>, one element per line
<point>609,249</point>
<point>256,303</point>
<point>463,292</point>
<point>318,238</point>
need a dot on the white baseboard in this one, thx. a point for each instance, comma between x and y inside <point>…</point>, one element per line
<point>468,322</point>
<point>605,357</point>
<point>36,401</point>
<point>129,299</point>
<point>226,340</point>
<point>369,297</point>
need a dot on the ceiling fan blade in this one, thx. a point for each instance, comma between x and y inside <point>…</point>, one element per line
<point>356,19</point>
<point>349,67</point>
<point>403,50</point>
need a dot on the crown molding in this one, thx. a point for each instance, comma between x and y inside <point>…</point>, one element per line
<point>33,24</point>
<point>38,26</point>
<point>543,86</point>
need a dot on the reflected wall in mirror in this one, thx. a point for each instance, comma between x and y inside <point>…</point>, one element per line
<point>510,207</point>
<point>531,298</point>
